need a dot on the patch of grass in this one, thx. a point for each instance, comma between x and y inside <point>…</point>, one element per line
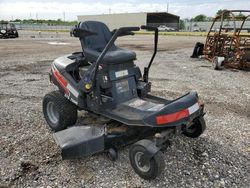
<point>202,34</point>
<point>137,32</point>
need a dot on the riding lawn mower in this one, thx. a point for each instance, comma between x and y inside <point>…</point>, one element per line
<point>103,80</point>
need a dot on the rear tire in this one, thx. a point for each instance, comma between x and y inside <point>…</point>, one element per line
<point>152,168</point>
<point>217,64</point>
<point>58,111</point>
<point>195,130</point>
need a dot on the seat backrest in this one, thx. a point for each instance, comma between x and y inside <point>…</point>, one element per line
<point>95,42</point>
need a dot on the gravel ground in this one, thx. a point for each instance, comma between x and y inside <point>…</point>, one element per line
<point>29,156</point>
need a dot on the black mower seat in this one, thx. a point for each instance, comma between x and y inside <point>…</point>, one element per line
<point>93,45</point>
<point>113,56</point>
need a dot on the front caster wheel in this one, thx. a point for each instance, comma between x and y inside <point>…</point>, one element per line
<point>112,154</point>
<point>146,168</point>
<point>58,111</point>
<point>195,130</point>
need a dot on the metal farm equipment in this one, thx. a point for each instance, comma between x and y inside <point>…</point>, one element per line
<point>228,46</point>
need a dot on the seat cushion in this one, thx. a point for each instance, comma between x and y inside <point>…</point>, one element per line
<point>93,45</point>
<point>98,41</point>
<point>116,55</point>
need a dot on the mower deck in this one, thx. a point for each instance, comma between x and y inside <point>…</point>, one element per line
<point>80,141</point>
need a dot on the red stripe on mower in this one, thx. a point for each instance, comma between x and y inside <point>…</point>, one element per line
<point>172,117</point>
<point>61,80</point>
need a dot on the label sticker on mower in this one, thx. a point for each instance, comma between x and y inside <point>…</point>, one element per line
<point>121,73</point>
<point>122,86</point>
<point>192,109</point>
<point>145,105</point>
<point>136,103</point>
<point>156,107</point>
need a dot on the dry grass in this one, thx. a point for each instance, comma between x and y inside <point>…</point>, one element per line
<point>175,33</point>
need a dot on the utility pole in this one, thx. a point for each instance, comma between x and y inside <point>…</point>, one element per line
<point>167,6</point>
<point>109,10</point>
<point>64,17</point>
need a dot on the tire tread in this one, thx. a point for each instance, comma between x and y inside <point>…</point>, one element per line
<point>66,109</point>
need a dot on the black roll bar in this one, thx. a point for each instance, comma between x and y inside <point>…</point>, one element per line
<point>146,69</point>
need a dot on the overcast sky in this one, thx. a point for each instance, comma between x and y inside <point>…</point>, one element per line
<point>54,9</point>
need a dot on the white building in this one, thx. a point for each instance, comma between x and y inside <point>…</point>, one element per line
<point>135,19</point>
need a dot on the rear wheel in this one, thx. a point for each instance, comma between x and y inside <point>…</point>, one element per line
<point>217,63</point>
<point>58,111</point>
<point>147,169</point>
<point>195,130</point>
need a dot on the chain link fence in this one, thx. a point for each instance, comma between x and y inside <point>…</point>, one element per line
<point>42,27</point>
<point>189,26</point>
<point>205,26</point>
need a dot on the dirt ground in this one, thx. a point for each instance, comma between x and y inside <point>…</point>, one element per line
<point>29,156</point>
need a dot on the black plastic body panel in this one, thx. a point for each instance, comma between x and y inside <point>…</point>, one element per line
<point>119,84</point>
<point>80,141</point>
<point>177,105</point>
<point>136,117</point>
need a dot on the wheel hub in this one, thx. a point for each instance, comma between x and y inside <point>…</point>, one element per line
<point>52,112</point>
<point>143,166</point>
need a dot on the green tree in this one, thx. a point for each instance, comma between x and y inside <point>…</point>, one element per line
<point>240,16</point>
<point>49,22</point>
<point>200,18</point>
<point>220,11</point>
<point>210,18</point>
<point>182,25</point>
<point>17,20</point>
